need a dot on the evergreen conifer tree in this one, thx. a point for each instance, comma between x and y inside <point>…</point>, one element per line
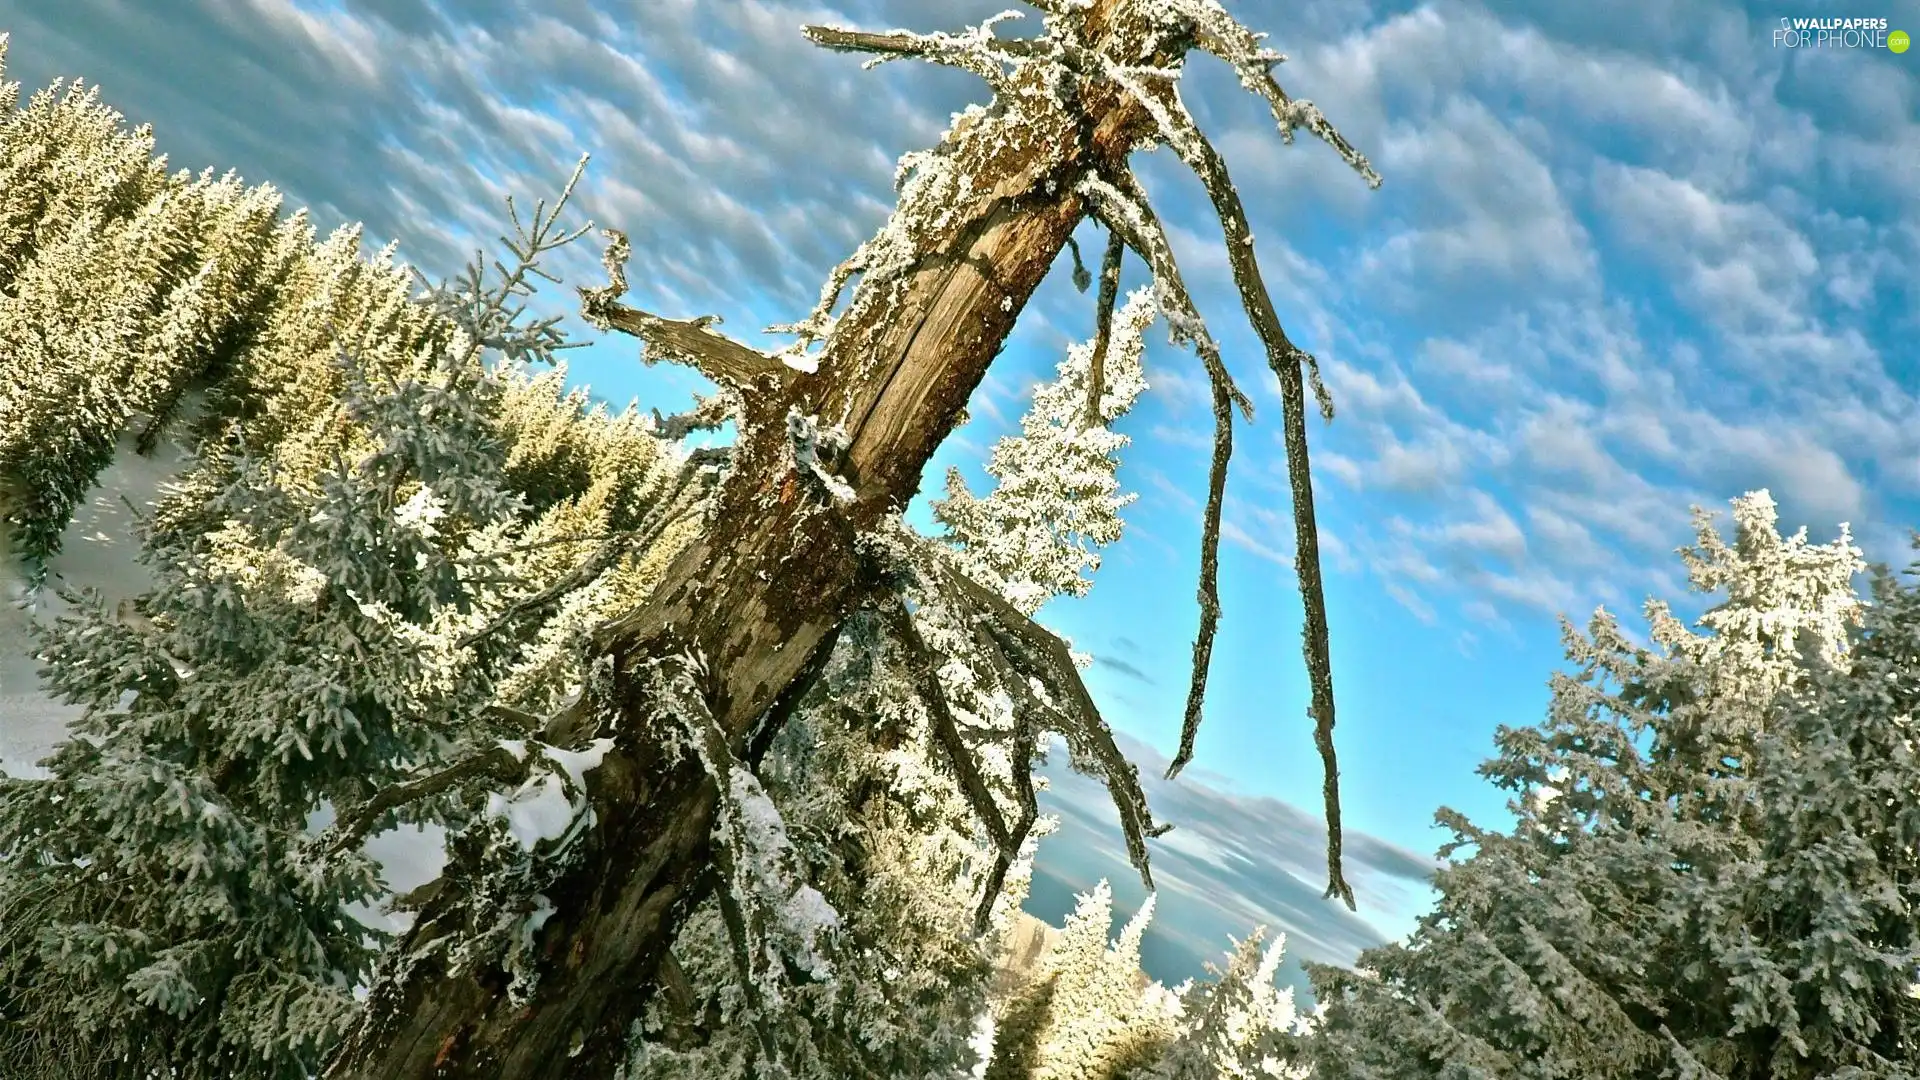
<point>312,641</point>
<point>1645,818</point>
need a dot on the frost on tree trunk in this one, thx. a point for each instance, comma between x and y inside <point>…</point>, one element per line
<point>832,443</point>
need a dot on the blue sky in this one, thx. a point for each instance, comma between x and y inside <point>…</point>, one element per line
<point>1629,257</point>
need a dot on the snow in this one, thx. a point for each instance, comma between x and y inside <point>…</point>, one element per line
<point>577,763</point>
<point>98,552</point>
<point>543,808</point>
<point>537,810</point>
<point>543,910</point>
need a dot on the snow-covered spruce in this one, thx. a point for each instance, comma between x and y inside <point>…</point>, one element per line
<point>322,626</point>
<point>1729,804</point>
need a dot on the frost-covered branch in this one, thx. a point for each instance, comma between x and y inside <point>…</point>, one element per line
<point>692,342</point>
<point>814,450</point>
<point>1124,200</point>
<point>1208,589</point>
<point>709,413</point>
<point>775,919</point>
<point>1038,656</point>
<point>1024,749</point>
<point>501,763</point>
<point>977,50</point>
<point>820,321</point>
<point>1220,34</point>
<point>926,682</point>
<point>1103,323</point>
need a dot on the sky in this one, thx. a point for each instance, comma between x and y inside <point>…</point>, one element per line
<point>1628,258</point>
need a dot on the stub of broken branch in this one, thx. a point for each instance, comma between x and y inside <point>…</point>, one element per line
<point>692,342</point>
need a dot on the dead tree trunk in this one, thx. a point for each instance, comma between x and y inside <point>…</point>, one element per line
<point>758,601</point>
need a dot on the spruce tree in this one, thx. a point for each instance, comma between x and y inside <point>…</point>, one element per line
<point>1238,1025</point>
<point>1090,1013</point>
<point>312,641</point>
<point>1614,931</point>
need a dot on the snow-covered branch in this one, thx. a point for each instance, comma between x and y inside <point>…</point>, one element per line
<point>1220,34</point>
<point>692,342</point>
<point>504,763</point>
<point>1039,658</point>
<point>708,413</point>
<point>977,50</point>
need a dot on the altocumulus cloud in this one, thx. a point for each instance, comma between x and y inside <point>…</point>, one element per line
<point>1687,253</point>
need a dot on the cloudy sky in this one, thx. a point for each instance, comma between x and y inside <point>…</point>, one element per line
<point>1629,257</point>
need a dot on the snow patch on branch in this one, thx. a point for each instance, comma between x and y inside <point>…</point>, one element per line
<point>552,806</point>
<point>764,864</point>
<point>813,447</point>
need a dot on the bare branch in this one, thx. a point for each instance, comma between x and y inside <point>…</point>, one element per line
<point>1122,207</point>
<point>1103,325</point>
<point>1023,754</point>
<point>499,763</point>
<point>688,342</point>
<point>1038,654</point>
<point>1286,359</point>
<point>1209,589</point>
<point>519,719</point>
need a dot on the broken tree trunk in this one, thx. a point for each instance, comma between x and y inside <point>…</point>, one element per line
<point>754,605</point>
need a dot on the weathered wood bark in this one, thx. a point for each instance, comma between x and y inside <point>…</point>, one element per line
<point>758,600</point>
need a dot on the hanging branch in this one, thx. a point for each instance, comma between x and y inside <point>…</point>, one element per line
<point>1103,325</point>
<point>926,681</point>
<point>1177,127</point>
<point>1024,747</point>
<point>1081,277</point>
<point>1122,207</point>
<point>1208,590</point>
<point>1034,653</point>
<point>1125,207</point>
<point>746,930</point>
